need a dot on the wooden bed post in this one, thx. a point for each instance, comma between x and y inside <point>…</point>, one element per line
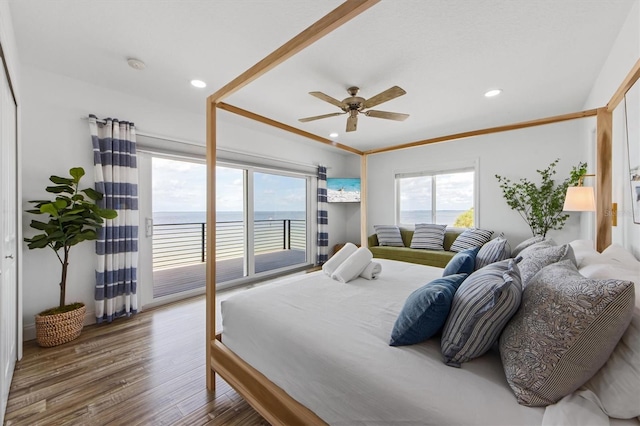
<point>604,185</point>
<point>211,240</point>
<point>363,200</point>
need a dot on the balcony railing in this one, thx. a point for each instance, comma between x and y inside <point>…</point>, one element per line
<point>185,243</point>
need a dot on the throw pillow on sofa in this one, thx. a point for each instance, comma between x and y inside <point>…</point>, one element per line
<point>537,256</point>
<point>472,237</point>
<point>389,235</point>
<point>481,307</point>
<point>425,311</point>
<point>462,263</point>
<point>428,236</point>
<point>494,251</point>
<point>565,330</point>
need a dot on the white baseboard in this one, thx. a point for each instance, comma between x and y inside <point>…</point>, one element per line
<point>29,330</point>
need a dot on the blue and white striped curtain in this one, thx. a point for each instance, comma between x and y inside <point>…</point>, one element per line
<point>116,176</point>
<point>323,217</point>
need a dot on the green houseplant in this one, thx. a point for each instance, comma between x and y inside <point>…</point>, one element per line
<point>72,217</point>
<point>541,205</point>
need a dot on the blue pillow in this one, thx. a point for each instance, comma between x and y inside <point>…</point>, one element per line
<point>463,262</point>
<point>425,311</point>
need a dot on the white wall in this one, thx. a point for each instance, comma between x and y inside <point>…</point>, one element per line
<point>622,57</point>
<point>515,154</point>
<point>55,139</point>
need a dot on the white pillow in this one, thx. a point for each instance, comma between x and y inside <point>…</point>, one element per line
<point>619,254</point>
<point>583,249</point>
<point>608,271</point>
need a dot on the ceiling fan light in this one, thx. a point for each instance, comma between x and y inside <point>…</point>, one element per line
<point>493,92</point>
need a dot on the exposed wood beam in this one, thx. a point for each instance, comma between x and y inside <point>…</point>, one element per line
<point>631,78</point>
<point>363,200</point>
<point>334,19</point>
<point>515,126</point>
<point>282,126</point>
<point>604,185</point>
<point>211,240</point>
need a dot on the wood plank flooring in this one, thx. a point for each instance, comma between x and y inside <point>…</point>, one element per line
<point>145,370</point>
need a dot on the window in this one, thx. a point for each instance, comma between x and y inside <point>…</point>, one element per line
<point>444,197</point>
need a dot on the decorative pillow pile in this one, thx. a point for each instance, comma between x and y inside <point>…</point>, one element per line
<point>526,243</point>
<point>494,251</point>
<point>537,256</point>
<point>389,235</point>
<point>481,307</point>
<point>565,330</point>
<point>428,236</point>
<point>425,311</point>
<point>472,237</point>
<point>462,263</point>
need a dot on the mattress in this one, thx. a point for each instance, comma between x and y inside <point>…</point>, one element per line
<point>325,343</point>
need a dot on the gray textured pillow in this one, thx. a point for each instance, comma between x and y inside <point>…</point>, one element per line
<point>565,330</point>
<point>389,235</point>
<point>494,251</point>
<point>481,307</point>
<point>428,236</point>
<point>537,256</point>
<point>526,243</point>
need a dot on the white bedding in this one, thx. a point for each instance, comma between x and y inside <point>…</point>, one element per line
<point>326,344</point>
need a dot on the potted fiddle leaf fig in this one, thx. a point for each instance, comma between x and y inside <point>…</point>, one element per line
<point>71,218</point>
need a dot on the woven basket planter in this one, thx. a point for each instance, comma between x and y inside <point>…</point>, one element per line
<point>54,330</point>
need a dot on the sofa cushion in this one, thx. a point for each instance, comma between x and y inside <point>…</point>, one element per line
<point>428,236</point>
<point>389,235</point>
<point>481,308</point>
<point>565,330</point>
<point>425,311</point>
<point>462,263</point>
<point>406,254</point>
<point>472,237</point>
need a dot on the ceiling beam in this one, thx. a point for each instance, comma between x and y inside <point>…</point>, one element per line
<point>508,127</point>
<point>282,126</point>
<point>334,19</point>
<point>629,81</point>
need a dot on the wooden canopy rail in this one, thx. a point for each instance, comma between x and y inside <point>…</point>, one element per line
<point>264,396</point>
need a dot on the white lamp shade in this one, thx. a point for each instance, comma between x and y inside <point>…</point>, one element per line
<point>579,199</point>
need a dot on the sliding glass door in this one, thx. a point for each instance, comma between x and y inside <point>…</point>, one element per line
<point>261,223</point>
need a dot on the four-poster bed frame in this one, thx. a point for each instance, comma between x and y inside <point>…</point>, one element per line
<point>268,399</point>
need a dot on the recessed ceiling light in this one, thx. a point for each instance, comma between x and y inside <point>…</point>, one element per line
<point>198,83</point>
<point>493,92</point>
<point>136,64</point>
<point>333,135</point>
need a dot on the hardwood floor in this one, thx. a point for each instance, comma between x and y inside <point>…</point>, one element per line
<point>145,370</point>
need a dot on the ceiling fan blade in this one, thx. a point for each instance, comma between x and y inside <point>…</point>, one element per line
<point>318,117</point>
<point>388,115</point>
<point>352,123</point>
<point>385,96</point>
<point>328,98</point>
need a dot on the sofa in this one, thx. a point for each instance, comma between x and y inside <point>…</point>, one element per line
<point>437,258</point>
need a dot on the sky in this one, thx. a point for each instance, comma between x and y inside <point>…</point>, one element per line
<point>180,186</point>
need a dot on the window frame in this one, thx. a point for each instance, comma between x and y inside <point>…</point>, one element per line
<point>469,166</point>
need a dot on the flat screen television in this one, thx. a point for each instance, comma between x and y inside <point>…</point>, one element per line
<point>343,190</point>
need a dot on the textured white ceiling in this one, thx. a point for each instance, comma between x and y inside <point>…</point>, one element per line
<point>544,54</point>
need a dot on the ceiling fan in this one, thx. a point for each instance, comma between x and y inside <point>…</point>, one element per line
<point>353,105</point>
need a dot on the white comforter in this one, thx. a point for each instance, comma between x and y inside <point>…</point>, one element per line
<point>326,344</point>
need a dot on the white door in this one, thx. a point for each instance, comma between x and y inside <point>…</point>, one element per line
<point>8,243</point>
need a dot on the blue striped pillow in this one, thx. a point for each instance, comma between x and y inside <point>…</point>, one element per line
<point>481,308</point>
<point>494,251</point>
<point>472,237</point>
<point>428,236</point>
<point>389,235</point>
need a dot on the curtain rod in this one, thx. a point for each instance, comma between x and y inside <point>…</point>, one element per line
<point>231,151</point>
